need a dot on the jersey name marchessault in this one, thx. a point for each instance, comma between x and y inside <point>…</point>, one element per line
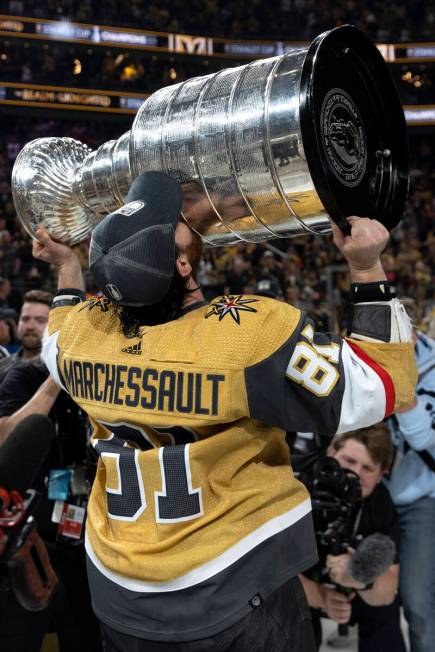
<point>164,390</point>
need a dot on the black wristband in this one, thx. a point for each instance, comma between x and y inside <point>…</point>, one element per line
<point>74,291</point>
<point>68,297</point>
<point>367,292</point>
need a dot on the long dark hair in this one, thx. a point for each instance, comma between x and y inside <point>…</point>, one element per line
<point>133,317</point>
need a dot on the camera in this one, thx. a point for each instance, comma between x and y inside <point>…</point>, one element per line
<point>334,494</point>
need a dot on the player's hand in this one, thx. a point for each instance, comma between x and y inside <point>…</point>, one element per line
<point>363,247</point>
<point>64,259</point>
<point>51,251</point>
<point>337,606</point>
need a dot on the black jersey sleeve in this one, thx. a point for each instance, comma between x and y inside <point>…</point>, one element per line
<point>321,382</point>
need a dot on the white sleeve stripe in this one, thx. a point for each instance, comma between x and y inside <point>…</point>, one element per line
<point>49,356</point>
<point>364,400</point>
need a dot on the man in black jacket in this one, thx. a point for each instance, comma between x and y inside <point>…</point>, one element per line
<point>28,389</point>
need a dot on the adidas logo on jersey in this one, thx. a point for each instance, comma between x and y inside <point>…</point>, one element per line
<point>136,349</point>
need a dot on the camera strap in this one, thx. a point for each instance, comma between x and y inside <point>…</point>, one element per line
<point>357,521</point>
<point>424,455</point>
<point>427,459</point>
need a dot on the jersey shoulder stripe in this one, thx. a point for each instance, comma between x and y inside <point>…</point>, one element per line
<point>398,361</point>
<point>383,375</point>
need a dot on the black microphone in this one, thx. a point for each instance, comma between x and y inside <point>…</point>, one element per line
<point>24,451</point>
<point>374,555</point>
<point>372,558</point>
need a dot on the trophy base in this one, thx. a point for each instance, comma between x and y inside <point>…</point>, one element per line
<point>354,129</point>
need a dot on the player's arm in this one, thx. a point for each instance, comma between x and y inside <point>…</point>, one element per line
<point>320,382</point>
<point>71,291</point>
<point>62,257</point>
<point>380,331</point>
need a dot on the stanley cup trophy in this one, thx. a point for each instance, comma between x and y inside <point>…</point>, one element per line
<point>265,150</point>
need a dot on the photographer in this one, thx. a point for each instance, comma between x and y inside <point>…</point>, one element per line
<point>28,389</point>
<point>334,585</point>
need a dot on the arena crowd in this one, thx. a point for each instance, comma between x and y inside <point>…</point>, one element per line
<point>301,269</point>
<point>286,19</point>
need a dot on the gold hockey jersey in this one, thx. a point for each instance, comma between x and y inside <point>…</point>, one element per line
<point>195,508</point>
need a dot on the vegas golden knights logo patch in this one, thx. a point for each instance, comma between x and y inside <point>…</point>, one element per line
<point>230,305</point>
<point>101,302</point>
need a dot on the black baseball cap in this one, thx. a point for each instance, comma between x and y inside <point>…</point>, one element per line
<point>132,250</point>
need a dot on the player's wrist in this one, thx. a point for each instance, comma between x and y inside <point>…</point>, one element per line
<point>372,273</point>
<point>69,274</point>
<point>68,262</point>
<point>63,257</point>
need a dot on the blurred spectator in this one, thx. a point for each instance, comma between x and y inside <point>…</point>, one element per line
<point>268,288</point>
<point>5,335</point>
<point>237,277</point>
<point>8,327</point>
<point>31,325</point>
<point>297,19</point>
<point>210,276</point>
<point>412,487</point>
<point>5,290</point>
<point>293,295</point>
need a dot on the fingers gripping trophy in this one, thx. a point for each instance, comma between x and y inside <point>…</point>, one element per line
<point>272,149</point>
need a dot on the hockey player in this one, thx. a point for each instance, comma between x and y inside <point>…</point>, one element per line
<point>197,528</point>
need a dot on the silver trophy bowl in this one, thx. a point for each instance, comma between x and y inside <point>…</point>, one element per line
<point>271,149</point>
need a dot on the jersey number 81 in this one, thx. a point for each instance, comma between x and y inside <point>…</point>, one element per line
<point>311,365</point>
